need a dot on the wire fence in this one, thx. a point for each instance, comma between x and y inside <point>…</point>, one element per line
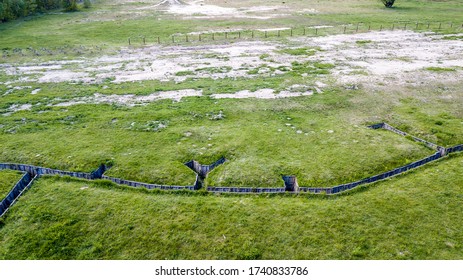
<point>309,31</point>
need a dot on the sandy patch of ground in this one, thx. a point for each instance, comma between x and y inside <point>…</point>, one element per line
<point>389,57</point>
<point>374,59</point>
<point>16,108</point>
<point>266,93</point>
<point>131,99</point>
<point>200,9</point>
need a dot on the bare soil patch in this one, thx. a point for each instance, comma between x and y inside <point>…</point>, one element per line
<point>374,60</point>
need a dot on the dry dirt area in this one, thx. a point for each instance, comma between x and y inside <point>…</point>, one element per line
<point>381,55</point>
<point>370,60</point>
<point>204,10</point>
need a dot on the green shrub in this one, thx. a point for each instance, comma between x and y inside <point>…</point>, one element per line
<point>87,4</point>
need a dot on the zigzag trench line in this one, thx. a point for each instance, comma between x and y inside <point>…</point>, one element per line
<point>34,172</point>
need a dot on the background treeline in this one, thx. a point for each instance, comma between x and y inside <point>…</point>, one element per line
<point>13,9</point>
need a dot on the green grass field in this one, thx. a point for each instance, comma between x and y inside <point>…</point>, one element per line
<point>7,180</point>
<point>415,216</point>
<point>321,137</point>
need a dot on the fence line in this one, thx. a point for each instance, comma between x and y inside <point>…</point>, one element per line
<point>145,185</point>
<point>351,28</point>
<point>18,189</point>
<point>397,131</point>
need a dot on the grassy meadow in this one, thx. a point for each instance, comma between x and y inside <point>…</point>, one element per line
<point>415,216</point>
<point>321,138</point>
<point>7,180</point>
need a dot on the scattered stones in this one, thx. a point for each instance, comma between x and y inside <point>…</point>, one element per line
<point>216,117</point>
<point>35,91</point>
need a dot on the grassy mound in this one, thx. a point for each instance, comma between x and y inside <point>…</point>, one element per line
<point>410,217</point>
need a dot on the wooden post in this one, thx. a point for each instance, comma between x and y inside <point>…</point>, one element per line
<point>381,28</point>
<point>213,36</point>
<point>316,31</point>
<point>278,33</point>
<point>186,37</point>
<point>129,41</point>
<point>304,31</point>
<point>159,40</point>
<point>239,35</point>
<point>369,27</point>
<point>291,32</point>
<point>440,25</point>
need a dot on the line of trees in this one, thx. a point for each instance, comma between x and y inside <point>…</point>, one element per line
<point>13,9</point>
